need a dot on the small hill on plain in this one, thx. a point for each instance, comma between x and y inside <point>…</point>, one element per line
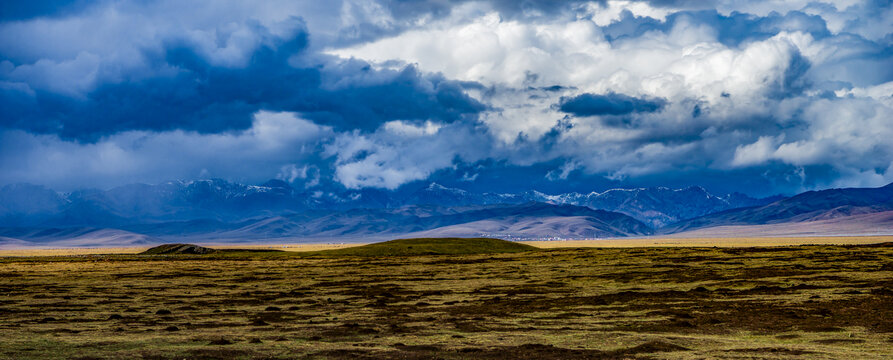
<point>432,246</point>
<point>178,249</point>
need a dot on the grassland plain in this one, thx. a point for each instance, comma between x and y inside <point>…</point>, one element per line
<point>821,301</point>
<point>656,241</point>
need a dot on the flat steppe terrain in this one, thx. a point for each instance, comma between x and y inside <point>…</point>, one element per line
<point>37,251</point>
<point>609,243</point>
<point>713,241</point>
<point>815,301</point>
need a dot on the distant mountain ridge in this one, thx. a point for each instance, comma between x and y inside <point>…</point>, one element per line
<point>220,211</point>
<point>805,207</point>
<point>658,206</point>
<point>32,205</point>
<point>522,221</point>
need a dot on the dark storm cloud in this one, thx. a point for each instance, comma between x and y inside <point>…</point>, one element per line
<point>793,81</point>
<point>608,104</point>
<point>18,10</point>
<point>209,99</point>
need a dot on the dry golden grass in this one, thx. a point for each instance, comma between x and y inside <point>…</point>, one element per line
<point>817,302</point>
<point>711,242</point>
<point>605,243</point>
<point>72,251</point>
<point>138,249</point>
<point>289,247</point>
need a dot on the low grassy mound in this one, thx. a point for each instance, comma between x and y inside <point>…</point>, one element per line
<point>178,249</point>
<point>432,246</point>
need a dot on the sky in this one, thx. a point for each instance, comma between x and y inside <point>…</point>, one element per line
<point>759,97</point>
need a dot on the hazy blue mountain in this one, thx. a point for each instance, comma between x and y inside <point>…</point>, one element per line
<point>218,210</point>
<point>656,206</point>
<point>25,202</point>
<point>521,221</point>
<point>141,203</point>
<point>72,237</point>
<point>438,194</point>
<point>216,199</point>
<point>660,206</point>
<point>808,206</point>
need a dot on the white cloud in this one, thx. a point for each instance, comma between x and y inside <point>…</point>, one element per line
<point>256,154</point>
<point>748,110</point>
<point>575,53</point>
<point>881,92</point>
<point>608,12</point>
<point>745,116</point>
<point>849,134</point>
<point>358,12</point>
<point>279,130</point>
<point>564,171</point>
<point>292,173</point>
<point>404,128</point>
<point>757,153</point>
<point>388,158</point>
<point>685,63</point>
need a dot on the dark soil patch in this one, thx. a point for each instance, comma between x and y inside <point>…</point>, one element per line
<point>839,341</point>
<point>775,351</point>
<point>222,354</point>
<point>178,249</point>
<point>349,330</point>
<point>649,347</point>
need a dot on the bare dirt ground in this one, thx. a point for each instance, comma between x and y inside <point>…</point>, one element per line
<point>816,302</point>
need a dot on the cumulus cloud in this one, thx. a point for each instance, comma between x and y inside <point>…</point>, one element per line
<point>367,93</point>
<point>131,67</point>
<point>389,158</point>
<point>693,89</point>
<point>757,153</point>
<point>252,155</point>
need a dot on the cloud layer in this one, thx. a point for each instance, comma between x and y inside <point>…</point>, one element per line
<point>774,96</point>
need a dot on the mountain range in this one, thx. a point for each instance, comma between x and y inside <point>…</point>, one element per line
<point>221,211</point>
<point>855,204</point>
<point>32,205</point>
